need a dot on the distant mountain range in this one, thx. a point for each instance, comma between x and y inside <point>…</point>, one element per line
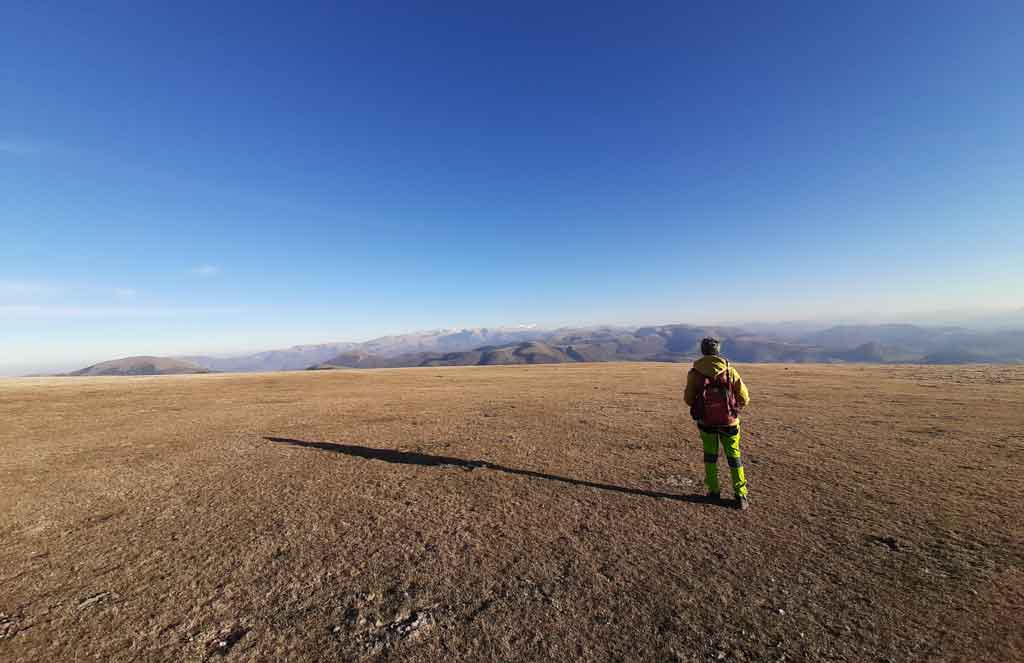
<point>919,344</point>
<point>888,343</point>
<point>674,343</point>
<point>303,356</point>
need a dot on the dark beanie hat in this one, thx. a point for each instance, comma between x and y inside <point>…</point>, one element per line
<point>710,346</point>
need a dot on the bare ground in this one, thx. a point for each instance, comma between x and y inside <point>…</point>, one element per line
<point>510,514</point>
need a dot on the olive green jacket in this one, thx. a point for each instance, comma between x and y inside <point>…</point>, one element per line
<point>712,365</point>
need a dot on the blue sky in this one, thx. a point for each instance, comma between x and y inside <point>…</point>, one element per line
<point>201,178</point>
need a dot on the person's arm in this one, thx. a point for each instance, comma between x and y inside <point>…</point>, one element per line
<point>739,389</point>
<point>690,395</point>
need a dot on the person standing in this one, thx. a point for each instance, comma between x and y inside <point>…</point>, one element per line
<point>715,393</point>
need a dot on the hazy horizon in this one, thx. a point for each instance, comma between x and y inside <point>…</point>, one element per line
<point>63,359</point>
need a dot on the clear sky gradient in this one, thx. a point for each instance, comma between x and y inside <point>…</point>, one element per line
<point>217,178</point>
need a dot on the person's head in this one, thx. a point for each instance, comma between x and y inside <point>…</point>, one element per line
<point>710,346</point>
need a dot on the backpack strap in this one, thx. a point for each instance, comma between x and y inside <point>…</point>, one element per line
<point>697,409</point>
<point>730,397</point>
<point>728,375</point>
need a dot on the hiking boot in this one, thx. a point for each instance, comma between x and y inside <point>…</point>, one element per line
<point>714,497</point>
<point>743,503</point>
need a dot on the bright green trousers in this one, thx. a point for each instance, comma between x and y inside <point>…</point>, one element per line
<point>731,446</point>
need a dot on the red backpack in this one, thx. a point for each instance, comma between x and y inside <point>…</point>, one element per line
<point>715,404</point>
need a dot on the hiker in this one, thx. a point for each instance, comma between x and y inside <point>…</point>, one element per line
<point>716,393</point>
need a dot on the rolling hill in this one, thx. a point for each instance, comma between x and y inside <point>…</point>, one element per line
<point>529,352</point>
<point>141,366</point>
<point>296,357</point>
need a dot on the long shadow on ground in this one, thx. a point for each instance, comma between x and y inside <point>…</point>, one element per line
<point>428,460</point>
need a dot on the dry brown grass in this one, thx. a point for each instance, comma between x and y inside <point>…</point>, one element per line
<point>151,519</point>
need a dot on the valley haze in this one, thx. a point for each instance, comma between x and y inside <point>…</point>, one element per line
<point>796,342</point>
